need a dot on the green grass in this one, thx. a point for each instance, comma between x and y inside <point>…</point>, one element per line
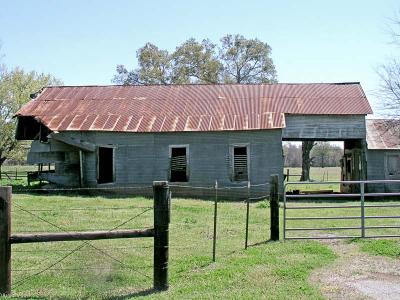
<point>18,182</point>
<point>389,248</point>
<point>316,174</point>
<point>274,270</point>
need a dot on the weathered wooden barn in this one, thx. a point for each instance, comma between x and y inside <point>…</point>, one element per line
<point>188,134</point>
<point>383,155</point>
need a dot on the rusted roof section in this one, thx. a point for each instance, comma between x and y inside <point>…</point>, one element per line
<point>160,108</point>
<point>383,134</point>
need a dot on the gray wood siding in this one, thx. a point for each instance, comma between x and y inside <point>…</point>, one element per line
<point>142,158</point>
<point>376,166</point>
<point>324,127</point>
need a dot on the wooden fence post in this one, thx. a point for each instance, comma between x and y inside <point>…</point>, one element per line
<point>5,245</point>
<point>274,206</point>
<point>162,208</point>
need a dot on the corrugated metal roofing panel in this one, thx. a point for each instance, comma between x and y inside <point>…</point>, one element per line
<point>190,107</point>
<point>383,134</point>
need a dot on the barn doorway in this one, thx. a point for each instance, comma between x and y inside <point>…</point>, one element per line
<point>105,165</point>
<point>329,161</point>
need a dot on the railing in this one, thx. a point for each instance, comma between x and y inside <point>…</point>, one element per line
<point>362,217</point>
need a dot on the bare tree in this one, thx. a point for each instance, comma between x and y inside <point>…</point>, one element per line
<point>389,74</point>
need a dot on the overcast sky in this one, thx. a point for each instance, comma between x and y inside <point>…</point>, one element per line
<point>81,42</point>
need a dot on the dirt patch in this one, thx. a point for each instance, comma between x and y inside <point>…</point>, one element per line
<point>357,275</point>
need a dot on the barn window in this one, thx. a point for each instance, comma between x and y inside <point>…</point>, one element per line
<point>105,165</point>
<point>240,163</point>
<point>179,164</point>
<point>392,164</point>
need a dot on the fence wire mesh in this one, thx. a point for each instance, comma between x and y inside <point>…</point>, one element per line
<point>82,264</point>
<point>115,264</point>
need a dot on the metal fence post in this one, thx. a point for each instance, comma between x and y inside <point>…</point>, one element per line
<point>162,208</point>
<point>362,192</point>
<point>274,206</point>
<point>247,215</point>
<point>215,221</point>
<point>5,245</point>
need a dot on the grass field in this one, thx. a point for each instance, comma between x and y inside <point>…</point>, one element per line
<point>122,269</point>
<point>273,270</point>
<point>253,273</point>
<point>316,174</point>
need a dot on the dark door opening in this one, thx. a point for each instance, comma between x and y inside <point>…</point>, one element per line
<point>178,165</point>
<point>105,165</point>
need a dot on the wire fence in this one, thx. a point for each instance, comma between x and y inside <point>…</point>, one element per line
<point>191,230</point>
<point>66,214</point>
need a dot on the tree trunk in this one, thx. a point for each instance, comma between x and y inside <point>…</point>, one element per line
<point>306,148</point>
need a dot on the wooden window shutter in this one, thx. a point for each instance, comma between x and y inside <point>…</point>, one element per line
<point>240,164</point>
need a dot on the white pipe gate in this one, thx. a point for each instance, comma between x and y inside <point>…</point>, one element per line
<point>362,217</point>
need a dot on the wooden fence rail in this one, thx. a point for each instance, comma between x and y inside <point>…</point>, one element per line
<point>160,232</point>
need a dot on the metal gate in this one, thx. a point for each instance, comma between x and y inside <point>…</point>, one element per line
<point>328,215</point>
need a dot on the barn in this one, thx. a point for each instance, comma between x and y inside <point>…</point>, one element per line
<point>191,135</point>
<point>383,154</point>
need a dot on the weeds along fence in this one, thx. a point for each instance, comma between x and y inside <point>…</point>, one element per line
<point>159,232</point>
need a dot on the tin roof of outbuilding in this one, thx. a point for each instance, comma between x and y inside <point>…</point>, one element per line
<point>383,134</point>
<point>166,108</point>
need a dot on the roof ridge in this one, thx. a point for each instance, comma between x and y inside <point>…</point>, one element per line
<point>206,84</point>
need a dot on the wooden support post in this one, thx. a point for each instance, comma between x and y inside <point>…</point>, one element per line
<point>274,206</point>
<point>161,234</point>
<point>215,221</point>
<point>5,246</point>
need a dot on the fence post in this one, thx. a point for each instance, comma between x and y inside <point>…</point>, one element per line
<point>274,206</point>
<point>5,246</point>
<point>247,215</point>
<point>215,221</point>
<point>162,208</point>
<point>362,191</point>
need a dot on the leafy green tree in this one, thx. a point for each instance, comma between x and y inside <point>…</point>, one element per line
<point>246,60</point>
<point>235,60</point>
<point>196,62</point>
<point>16,86</point>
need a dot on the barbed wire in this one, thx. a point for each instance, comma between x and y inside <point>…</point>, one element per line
<point>84,243</point>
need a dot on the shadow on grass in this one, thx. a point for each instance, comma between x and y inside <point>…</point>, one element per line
<point>262,243</point>
<point>146,292</point>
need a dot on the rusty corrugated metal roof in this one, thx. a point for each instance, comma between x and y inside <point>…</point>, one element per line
<point>164,108</point>
<point>383,134</point>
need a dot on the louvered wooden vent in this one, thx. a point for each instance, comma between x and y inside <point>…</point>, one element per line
<point>240,164</point>
<point>178,165</point>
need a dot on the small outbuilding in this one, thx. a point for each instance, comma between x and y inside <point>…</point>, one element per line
<point>191,135</point>
<point>383,154</point>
